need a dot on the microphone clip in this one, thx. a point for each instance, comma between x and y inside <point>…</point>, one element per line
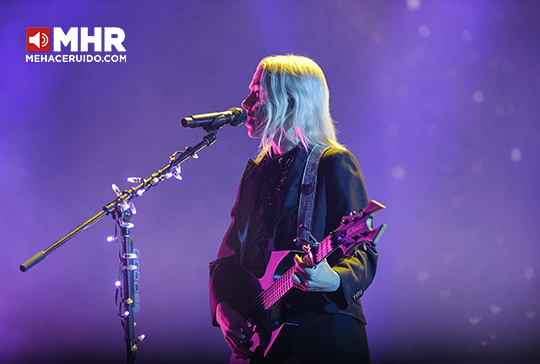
<point>217,123</point>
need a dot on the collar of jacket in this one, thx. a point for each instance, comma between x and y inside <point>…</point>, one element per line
<point>297,167</point>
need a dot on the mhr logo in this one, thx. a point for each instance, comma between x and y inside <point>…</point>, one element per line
<point>39,39</point>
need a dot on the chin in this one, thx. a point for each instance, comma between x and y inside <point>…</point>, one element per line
<point>251,130</point>
<point>252,134</point>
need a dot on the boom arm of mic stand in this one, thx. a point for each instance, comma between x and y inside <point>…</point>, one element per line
<point>126,196</point>
<point>42,254</point>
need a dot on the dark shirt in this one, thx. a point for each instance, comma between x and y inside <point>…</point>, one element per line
<point>266,208</point>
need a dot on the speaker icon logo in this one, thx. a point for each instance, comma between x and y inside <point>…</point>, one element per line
<point>38,39</point>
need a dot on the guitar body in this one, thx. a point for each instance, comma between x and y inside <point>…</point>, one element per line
<point>272,347</point>
<point>268,331</point>
<point>262,314</point>
<point>279,263</point>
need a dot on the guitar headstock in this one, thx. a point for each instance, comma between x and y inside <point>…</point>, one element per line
<point>357,229</point>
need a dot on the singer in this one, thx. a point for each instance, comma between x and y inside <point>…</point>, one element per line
<point>288,109</point>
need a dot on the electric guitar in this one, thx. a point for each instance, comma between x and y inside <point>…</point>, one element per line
<point>355,231</point>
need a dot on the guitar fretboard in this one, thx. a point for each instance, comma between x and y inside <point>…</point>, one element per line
<point>355,229</point>
<point>269,297</point>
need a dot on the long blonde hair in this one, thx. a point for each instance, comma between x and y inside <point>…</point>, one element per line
<point>296,97</point>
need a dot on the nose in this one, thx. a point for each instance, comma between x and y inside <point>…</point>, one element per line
<point>249,101</point>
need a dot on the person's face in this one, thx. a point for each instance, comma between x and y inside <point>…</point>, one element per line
<point>253,105</point>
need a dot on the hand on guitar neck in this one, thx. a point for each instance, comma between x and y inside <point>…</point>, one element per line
<point>321,278</point>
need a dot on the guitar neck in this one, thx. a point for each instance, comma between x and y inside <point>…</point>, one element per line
<point>355,229</point>
<point>281,286</point>
<point>277,290</point>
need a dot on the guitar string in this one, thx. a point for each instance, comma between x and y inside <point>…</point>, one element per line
<point>267,298</point>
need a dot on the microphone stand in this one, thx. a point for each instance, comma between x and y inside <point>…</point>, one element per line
<point>121,210</point>
<point>127,288</point>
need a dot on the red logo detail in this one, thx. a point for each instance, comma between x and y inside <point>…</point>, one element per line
<point>38,39</point>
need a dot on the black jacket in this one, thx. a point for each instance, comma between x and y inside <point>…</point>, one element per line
<point>340,190</point>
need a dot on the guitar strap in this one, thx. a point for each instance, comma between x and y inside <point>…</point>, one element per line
<point>307,194</point>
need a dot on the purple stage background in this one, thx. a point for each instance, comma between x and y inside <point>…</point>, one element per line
<point>439,101</point>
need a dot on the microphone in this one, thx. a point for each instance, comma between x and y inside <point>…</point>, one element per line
<point>234,116</point>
